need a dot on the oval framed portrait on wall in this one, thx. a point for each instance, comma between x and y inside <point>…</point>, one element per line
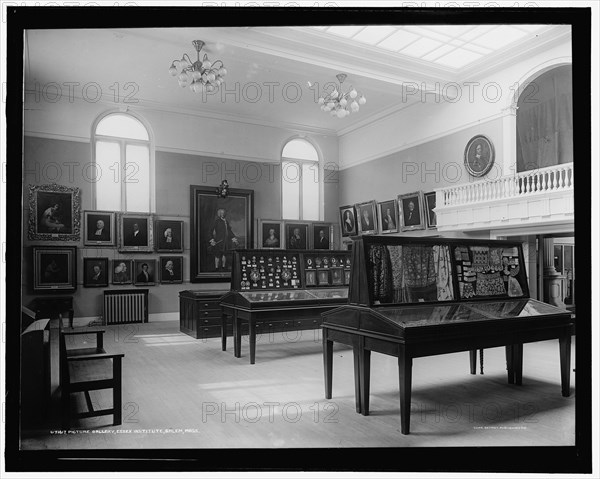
<point>479,155</point>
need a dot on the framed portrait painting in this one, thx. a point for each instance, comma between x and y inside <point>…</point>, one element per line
<point>367,217</point>
<point>169,236</point>
<point>95,272</point>
<point>348,220</point>
<point>412,215</point>
<point>54,213</point>
<point>144,272</point>
<point>135,233</point>
<point>297,235</point>
<point>479,155</point>
<point>218,225</point>
<point>388,216</point>
<point>99,228</point>
<point>270,234</point>
<point>121,271</point>
<point>430,216</point>
<point>322,236</point>
<point>171,269</point>
<point>54,268</point>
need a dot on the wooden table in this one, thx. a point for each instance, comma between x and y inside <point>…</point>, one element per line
<point>267,320</point>
<point>410,332</point>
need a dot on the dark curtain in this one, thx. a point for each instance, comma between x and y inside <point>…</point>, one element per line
<point>545,121</point>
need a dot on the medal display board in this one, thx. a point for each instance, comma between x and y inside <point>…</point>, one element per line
<point>284,270</point>
<point>416,297</point>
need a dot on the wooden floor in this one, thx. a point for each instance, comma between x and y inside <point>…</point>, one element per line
<point>179,392</point>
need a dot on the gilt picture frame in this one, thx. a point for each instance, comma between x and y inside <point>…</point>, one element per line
<point>54,268</point>
<point>54,213</point>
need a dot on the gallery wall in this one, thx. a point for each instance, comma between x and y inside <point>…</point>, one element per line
<point>63,162</point>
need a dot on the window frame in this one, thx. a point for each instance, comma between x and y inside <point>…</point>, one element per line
<point>300,162</point>
<point>123,143</point>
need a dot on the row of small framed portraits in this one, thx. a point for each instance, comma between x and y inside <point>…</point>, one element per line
<point>411,211</point>
<point>55,269</point>
<point>279,234</point>
<point>135,232</point>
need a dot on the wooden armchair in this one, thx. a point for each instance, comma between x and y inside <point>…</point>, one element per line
<point>88,369</point>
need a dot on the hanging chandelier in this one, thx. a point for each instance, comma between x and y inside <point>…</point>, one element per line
<point>201,75</point>
<point>339,103</point>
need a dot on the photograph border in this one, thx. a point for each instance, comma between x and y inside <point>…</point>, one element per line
<point>75,193</point>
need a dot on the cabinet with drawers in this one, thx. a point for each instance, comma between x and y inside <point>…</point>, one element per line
<point>200,314</point>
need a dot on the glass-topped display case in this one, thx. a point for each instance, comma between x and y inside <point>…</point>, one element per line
<point>283,290</point>
<point>273,278</point>
<point>413,297</point>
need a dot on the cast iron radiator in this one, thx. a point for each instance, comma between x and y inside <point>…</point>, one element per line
<point>125,306</point>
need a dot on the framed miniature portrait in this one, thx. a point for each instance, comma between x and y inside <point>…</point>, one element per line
<point>337,276</point>
<point>412,215</point>
<point>54,268</point>
<point>135,233</point>
<point>95,272</point>
<point>121,271</point>
<point>367,217</point>
<point>171,269</point>
<point>311,278</point>
<point>388,216</point>
<point>296,235</point>
<point>323,277</point>
<point>322,236</point>
<point>99,228</point>
<point>169,236</point>
<point>348,220</point>
<point>144,272</point>
<point>430,216</point>
<point>270,234</point>
<point>54,213</point>
<point>479,155</point>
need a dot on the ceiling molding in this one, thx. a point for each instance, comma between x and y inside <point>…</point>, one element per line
<point>150,105</point>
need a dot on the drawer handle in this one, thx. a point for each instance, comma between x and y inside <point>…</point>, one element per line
<point>206,321</point>
<point>205,313</point>
<point>206,305</point>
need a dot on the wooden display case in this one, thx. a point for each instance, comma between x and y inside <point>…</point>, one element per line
<point>283,290</point>
<point>200,314</point>
<point>412,298</point>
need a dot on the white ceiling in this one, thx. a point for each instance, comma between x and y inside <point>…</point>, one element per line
<point>269,67</point>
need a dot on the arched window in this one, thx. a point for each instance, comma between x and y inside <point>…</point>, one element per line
<point>123,157</point>
<point>300,181</point>
<point>545,121</point>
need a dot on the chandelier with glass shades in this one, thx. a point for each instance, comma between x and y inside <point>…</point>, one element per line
<point>201,75</point>
<point>339,103</point>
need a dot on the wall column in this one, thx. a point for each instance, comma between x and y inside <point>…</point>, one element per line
<point>553,281</point>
